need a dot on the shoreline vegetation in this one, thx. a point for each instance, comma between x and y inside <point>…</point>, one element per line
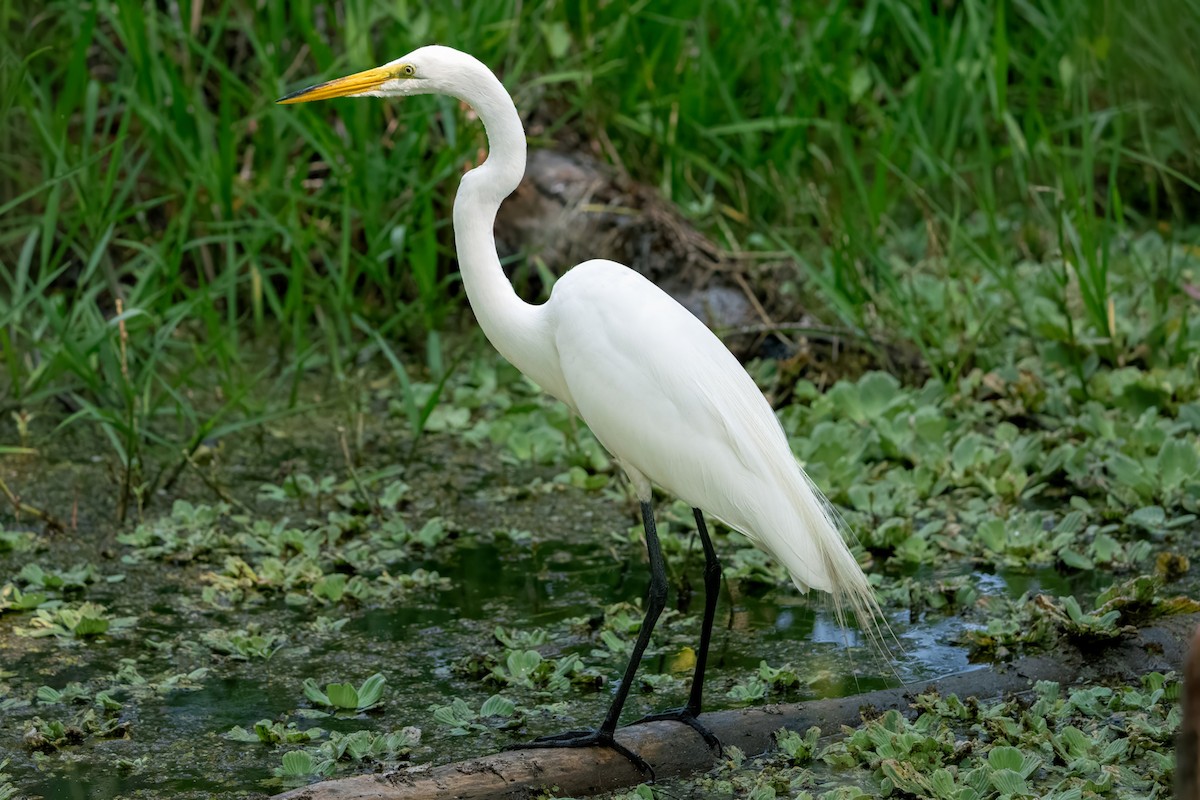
<point>253,452</point>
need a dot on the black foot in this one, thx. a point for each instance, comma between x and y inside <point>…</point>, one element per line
<point>589,738</point>
<point>687,718</point>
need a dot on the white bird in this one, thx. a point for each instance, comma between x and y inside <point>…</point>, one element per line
<point>657,388</point>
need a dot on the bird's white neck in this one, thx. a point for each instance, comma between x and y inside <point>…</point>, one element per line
<point>514,327</point>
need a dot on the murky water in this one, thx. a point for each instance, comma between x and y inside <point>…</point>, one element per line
<point>416,644</point>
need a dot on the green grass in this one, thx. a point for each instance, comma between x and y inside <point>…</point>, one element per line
<point>943,174</point>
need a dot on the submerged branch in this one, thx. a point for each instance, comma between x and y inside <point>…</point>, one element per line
<point>674,749</point>
<point>20,507</point>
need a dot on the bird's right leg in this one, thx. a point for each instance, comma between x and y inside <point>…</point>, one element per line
<point>689,714</point>
<point>656,600</point>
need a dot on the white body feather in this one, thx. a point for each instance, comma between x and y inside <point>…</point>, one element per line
<point>672,404</point>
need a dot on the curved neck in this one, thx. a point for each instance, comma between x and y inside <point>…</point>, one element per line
<point>514,327</point>
<point>501,173</point>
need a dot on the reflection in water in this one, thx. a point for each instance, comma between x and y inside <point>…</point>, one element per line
<point>538,587</point>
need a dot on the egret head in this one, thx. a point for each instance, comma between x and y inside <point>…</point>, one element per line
<point>427,70</point>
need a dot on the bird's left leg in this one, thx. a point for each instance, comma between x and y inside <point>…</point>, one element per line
<point>690,713</point>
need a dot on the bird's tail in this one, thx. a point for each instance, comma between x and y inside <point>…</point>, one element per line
<point>815,551</point>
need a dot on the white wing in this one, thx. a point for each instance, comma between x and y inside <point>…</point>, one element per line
<point>665,397</point>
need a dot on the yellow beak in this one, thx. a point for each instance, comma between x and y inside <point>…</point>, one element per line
<point>350,85</point>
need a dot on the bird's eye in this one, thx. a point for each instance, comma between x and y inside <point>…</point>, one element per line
<point>408,70</point>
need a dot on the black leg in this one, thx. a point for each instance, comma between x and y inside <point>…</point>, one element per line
<point>656,600</point>
<point>712,587</point>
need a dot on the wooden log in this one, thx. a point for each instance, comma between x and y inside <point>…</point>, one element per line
<point>1187,744</point>
<point>673,749</point>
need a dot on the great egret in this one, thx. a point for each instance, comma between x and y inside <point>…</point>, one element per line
<point>657,388</point>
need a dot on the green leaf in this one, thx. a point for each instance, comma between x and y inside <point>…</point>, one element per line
<point>1068,794</point>
<point>1071,523</point>
<point>1105,549</point>
<point>1115,752</point>
<point>522,664</point>
<point>1073,608</point>
<point>331,587</point>
<point>49,695</point>
<point>1178,462</point>
<point>297,764</point>
<point>1009,783</point>
<point>239,734</point>
<point>1150,518</point>
<point>965,452</point>
<point>1005,757</point>
<point>753,689</point>
<point>314,694</point>
<point>943,785</point>
<point>557,38</point>
<point>91,626</point>
<point>1075,560</point>
<point>1072,743</point>
<point>432,533</point>
<point>105,701</point>
<point>457,716</point>
<point>798,748</point>
<point>497,706</point>
<point>342,695</point>
<point>12,597</point>
<point>267,731</point>
<point>371,690</point>
<point>876,391</point>
<point>1126,470</point>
